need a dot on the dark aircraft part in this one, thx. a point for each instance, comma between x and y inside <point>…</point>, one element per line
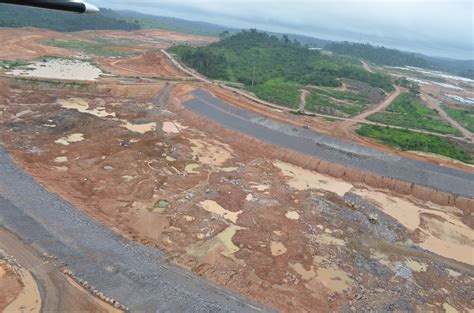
<point>62,5</point>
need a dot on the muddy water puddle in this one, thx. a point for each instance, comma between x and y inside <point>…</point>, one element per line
<point>302,179</point>
<point>416,266</point>
<point>82,106</point>
<point>211,152</point>
<point>173,127</point>
<point>192,168</point>
<point>213,207</point>
<point>442,232</point>
<point>277,248</point>
<point>305,274</point>
<point>222,243</point>
<point>61,159</point>
<point>63,69</point>
<point>292,215</point>
<point>330,240</point>
<point>139,128</point>
<point>333,278</point>
<point>66,141</point>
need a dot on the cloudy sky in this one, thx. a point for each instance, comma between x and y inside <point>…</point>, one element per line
<point>434,27</point>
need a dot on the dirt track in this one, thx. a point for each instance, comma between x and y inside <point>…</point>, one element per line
<point>380,107</point>
<point>434,104</point>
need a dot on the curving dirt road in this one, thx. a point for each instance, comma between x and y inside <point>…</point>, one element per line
<point>434,104</point>
<point>366,66</point>
<point>379,107</point>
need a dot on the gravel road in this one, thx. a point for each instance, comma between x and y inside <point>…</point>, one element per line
<point>331,149</point>
<point>137,276</point>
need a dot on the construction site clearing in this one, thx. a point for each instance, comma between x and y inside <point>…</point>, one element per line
<point>275,225</point>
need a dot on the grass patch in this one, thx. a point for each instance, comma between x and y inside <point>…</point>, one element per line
<point>465,117</point>
<point>407,112</point>
<point>408,140</point>
<point>323,104</point>
<point>279,91</point>
<point>11,64</point>
<point>49,83</point>
<point>362,98</point>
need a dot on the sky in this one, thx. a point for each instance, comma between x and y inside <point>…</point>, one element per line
<point>434,27</point>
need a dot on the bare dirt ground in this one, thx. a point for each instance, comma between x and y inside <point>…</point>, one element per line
<point>140,66</point>
<point>227,207</point>
<point>10,285</point>
<point>366,66</point>
<point>29,42</point>
<point>381,106</point>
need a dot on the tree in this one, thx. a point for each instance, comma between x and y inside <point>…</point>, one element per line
<point>224,35</point>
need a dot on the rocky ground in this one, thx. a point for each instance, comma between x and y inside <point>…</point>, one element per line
<point>250,217</point>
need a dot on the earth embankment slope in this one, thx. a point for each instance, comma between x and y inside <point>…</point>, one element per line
<point>357,162</point>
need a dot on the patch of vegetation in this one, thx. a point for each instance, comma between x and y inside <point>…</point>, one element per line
<point>465,117</point>
<point>325,100</point>
<point>320,103</point>
<point>252,58</point>
<point>469,73</point>
<point>279,91</point>
<point>49,83</point>
<point>98,46</point>
<point>14,16</point>
<point>362,98</point>
<point>407,112</point>
<point>378,55</point>
<point>408,140</point>
<point>11,64</point>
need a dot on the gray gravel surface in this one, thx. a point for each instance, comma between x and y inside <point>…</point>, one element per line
<point>332,149</point>
<point>136,276</point>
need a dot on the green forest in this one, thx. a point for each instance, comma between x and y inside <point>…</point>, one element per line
<point>13,16</point>
<point>258,60</point>
<point>406,140</point>
<point>392,57</point>
<point>378,55</point>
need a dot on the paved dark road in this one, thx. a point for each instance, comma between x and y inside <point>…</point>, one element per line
<point>331,149</point>
<point>135,275</point>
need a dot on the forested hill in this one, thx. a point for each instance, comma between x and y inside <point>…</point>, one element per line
<point>392,57</point>
<point>378,55</point>
<point>254,58</point>
<point>15,16</point>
